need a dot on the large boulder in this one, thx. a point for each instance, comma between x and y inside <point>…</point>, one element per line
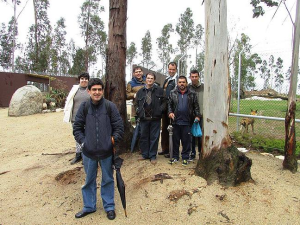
<point>25,101</point>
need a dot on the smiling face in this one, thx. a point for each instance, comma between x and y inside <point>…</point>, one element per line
<point>172,70</point>
<point>83,82</point>
<point>138,73</point>
<point>150,80</point>
<point>96,93</point>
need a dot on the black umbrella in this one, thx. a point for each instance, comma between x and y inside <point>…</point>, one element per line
<point>170,129</point>
<point>117,163</point>
<point>135,135</point>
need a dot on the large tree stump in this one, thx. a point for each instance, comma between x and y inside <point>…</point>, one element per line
<point>228,166</point>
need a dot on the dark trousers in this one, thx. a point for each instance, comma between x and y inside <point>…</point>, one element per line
<point>164,133</point>
<point>181,133</point>
<point>150,130</point>
<point>199,140</point>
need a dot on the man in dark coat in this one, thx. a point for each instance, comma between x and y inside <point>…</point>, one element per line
<point>150,105</point>
<point>168,85</point>
<point>94,127</point>
<point>183,109</point>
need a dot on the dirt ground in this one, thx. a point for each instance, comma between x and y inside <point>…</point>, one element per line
<point>39,186</point>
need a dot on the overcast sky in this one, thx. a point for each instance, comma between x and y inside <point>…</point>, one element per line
<point>268,36</point>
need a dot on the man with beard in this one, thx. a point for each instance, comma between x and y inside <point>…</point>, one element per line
<point>183,109</point>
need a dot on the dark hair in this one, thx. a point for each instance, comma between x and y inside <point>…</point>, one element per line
<point>172,64</point>
<point>182,77</point>
<point>152,74</point>
<point>86,75</point>
<point>194,71</point>
<point>137,67</point>
<point>95,81</point>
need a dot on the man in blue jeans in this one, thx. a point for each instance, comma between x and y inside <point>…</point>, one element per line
<point>183,109</point>
<point>97,120</point>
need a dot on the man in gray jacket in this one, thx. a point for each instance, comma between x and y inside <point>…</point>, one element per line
<point>197,87</point>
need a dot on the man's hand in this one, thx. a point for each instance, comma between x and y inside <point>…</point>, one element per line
<point>134,95</point>
<point>197,119</point>
<point>172,116</point>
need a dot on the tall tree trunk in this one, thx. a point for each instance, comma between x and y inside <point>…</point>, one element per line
<point>115,89</point>
<point>14,38</point>
<point>36,34</point>
<point>87,35</point>
<point>290,160</point>
<point>219,159</point>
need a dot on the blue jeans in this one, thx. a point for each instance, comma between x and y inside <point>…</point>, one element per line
<point>150,130</point>
<point>89,189</point>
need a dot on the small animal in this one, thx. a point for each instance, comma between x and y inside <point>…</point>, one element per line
<point>245,122</point>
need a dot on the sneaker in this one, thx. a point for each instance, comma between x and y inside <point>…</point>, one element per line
<point>191,158</point>
<point>184,162</point>
<point>171,161</point>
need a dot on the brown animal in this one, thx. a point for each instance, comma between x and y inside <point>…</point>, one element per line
<point>245,122</point>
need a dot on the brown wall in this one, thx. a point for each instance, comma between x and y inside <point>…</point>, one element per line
<point>10,82</point>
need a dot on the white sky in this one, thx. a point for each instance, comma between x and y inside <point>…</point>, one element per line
<point>267,36</point>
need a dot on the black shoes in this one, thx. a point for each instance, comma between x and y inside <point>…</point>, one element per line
<point>82,214</point>
<point>111,215</point>
<point>77,158</point>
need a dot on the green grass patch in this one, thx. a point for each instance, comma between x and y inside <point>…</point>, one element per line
<point>259,142</point>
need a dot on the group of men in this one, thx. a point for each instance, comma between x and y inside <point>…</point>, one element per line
<point>97,124</point>
<point>177,103</point>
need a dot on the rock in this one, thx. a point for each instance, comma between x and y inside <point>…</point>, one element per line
<point>27,100</point>
<point>44,106</point>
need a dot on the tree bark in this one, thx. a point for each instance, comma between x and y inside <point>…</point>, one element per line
<point>219,159</point>
<point>290,160</point>
<point>115,90</point>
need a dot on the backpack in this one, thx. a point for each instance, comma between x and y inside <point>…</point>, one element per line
<point>107,106</point>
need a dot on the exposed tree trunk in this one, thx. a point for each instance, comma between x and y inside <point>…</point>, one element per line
<point>36,33</point>
<point>290,160</point>
<point>115,66</point>
<point>219,159</point>
<point>14,38</point>
<point>87,35</point>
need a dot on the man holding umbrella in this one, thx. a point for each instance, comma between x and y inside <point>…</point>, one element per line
<point>96,122</point>
<point>183,109</point>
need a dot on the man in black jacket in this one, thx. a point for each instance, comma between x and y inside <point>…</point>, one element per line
<point>168,85</point>
<point>149,106</point>
<point>183,109</point>
<point>93,129</point>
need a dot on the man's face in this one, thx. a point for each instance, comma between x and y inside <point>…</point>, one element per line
<point>138,73</point>
<point>150,80</point>
<point>96,93</point>
<point>172,70</point>
<point>83,82</point>
<point>194,78</point>
<point>182,84</point>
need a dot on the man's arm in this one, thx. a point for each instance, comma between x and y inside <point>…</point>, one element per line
<point>129,93</point>
<point>79,124</point>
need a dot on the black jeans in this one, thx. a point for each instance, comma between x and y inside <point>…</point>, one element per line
<point>150,130</point>
<point>181,133</point>
<point>199,139</point>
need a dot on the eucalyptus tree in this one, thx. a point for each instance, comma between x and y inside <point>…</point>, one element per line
<point>185,29</point>
<point>219,158</point>
<point>131,54</point>
<point>78,65</point>
<point>59,53</point>
<point>146,49</point>
<point>92,30</point>
<point>279,78</point>
<point>165,49</point>
<point>7,44</point>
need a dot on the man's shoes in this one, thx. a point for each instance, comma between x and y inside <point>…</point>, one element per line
<point>171,161</point>
<point>153,161</point>
<point>82,214</point>
<point>141,158</point>
<point>162,153</point>
<point>111,215</point>
<point>77,158</point>
<point>184,162</point>
<point>191,158</point>
<point>167,155</point>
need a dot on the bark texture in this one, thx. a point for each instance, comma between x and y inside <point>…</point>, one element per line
<point>219,160</point>
<point>115,88</point>
<point>290,161</point>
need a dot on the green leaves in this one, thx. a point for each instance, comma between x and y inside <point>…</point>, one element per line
<point>258,9</point>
